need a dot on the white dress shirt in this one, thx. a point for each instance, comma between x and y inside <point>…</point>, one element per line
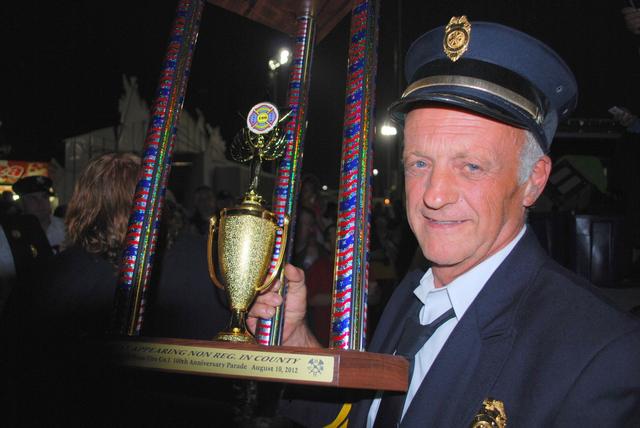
<point>458,294</point>
<point>56,233</point>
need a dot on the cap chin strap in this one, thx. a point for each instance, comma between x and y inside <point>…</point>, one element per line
<point>479,85</point>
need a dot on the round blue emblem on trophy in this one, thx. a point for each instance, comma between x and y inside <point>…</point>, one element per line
<point>262,118</point>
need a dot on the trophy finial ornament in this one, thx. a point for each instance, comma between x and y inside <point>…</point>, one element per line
<point>262,139</point>
<point>246,233</point>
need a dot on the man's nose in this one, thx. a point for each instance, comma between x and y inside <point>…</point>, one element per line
<point>441,189</point>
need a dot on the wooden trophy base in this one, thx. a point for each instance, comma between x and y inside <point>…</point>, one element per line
<point>309,366</point>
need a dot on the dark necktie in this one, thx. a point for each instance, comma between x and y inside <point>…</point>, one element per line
<point>413,338</point>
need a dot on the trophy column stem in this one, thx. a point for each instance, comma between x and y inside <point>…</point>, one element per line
<point>142,231</point>
<point>269,331</point>
<point>256,168</point>
<point>237,330</point>
<point>350,281</point>
<point>237,323</point>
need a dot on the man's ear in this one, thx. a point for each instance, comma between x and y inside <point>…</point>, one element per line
<point>536,181</point>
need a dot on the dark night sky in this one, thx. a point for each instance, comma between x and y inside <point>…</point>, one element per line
<point>63,61</point>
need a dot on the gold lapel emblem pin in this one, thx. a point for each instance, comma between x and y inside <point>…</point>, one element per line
<point>456,37</point>
<point>491,415</point>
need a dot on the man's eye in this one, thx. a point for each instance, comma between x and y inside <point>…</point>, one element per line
<point>472,167</point>
<point>416,166</point>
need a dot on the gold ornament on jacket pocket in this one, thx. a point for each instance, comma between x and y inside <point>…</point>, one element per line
<point>491,415</point>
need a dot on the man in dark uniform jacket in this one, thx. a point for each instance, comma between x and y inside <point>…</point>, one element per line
<point>513,337</point>
<point>24,247</point>
<point>25,251</point>
<point>27,242</point>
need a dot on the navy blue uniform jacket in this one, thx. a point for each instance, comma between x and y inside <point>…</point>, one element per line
<point>537,337</point>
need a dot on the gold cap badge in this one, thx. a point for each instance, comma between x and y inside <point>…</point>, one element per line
<point>456,37</point>
<point>491,415</point>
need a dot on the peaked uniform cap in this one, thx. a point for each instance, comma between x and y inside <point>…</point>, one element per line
<point>502,73</point>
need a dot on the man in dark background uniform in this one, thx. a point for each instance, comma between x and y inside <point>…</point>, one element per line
<point>24,247</point>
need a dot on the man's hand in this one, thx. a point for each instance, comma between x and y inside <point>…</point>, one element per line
<point>295,331</point>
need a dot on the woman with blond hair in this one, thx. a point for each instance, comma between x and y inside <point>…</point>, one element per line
<point>99,209</point>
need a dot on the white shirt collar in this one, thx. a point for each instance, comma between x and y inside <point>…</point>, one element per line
<point>464,289</point>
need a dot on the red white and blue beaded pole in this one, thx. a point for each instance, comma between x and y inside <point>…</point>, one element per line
<point>142,232</point>
<point>350,282</point>
<point>269,332</point>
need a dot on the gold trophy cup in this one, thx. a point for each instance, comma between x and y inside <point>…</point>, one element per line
<point>247,232</point>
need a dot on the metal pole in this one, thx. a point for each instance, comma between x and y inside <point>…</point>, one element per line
<point>349,302</point>
<point>269,332</point>
<point>142,232</point>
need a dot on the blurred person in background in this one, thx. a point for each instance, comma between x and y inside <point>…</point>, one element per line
<point>24,247</point>
<point>24,252</point>
<point>631,17</point>
<point>34,192</point>
<point>81,281</point>
<point>7,205</point>
<point>319,288</point>
<point>623,115</point>
<point>78,296</point>
<point>224,199</point>
<point>308,243</point>
<point>204,206</point>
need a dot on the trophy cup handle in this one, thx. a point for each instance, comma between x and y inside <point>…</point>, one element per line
<point>212,270</point>
<point>275,271</point>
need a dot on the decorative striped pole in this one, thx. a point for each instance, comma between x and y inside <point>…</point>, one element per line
<point>142,232</point>
<point>269,332</point>
<point>349,302</point>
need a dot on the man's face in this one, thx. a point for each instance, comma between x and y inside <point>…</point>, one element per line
<point>463,198</point>
<point>37,204</point>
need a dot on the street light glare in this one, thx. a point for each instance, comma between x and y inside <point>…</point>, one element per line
<point>284,56</point>
<point>273,64</point>
<point>388,129</point>
<point>375,172</point>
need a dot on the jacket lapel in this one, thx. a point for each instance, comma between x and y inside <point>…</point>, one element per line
<point>460,378</point>
<point>462,375</point>
<point>391,323</point>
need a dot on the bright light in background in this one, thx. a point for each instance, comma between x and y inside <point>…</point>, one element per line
<point>387,201</point>
<point>375,172</point>
<point>283,59</point>
<point>15,197</point>
<point>325,187</point>
<point>284,56</point>
<point>388,129</point>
